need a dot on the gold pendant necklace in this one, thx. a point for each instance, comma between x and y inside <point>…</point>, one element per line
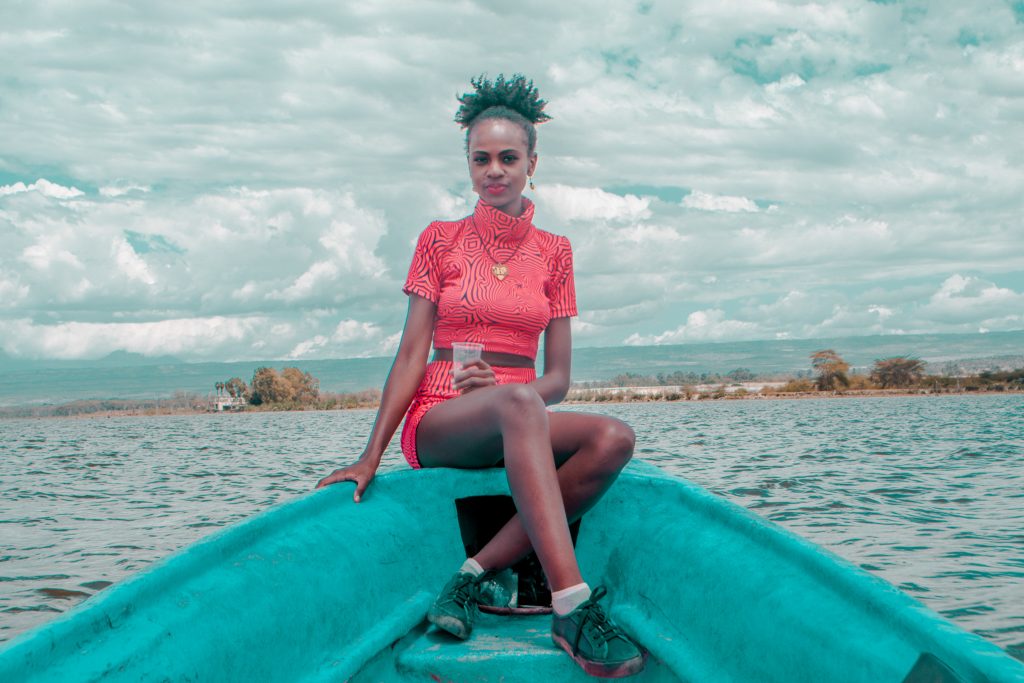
<point>500,268</point>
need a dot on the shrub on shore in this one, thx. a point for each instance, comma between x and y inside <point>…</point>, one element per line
<point>899,371</point>
<point>831,369</point>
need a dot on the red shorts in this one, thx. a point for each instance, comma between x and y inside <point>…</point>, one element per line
<point>435,388</point>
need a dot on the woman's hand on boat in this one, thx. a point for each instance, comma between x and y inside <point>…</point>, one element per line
<point>360,472</point>
<point>473,375</point>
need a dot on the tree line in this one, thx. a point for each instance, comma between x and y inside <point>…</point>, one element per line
<point>289,388</point>
<point>832,373</point>
<point>292,389</point>
<point>829,371</point>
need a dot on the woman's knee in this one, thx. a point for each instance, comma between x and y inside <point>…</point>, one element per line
<point>615,441</point>
<point>519,401</point>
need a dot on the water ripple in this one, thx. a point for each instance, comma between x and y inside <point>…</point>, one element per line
<point>924,492</point>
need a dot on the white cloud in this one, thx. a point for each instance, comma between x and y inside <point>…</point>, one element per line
<point>308,347</point>
<point>355,331</point>
<point>388,346</point>
<point>353,252</point>
<point>651,235</point>
<point>320,273</point>
<point>709,202</point>
<point>961,299</point>
<point>268,178</point>
<point>787,82</point>
<point>450,206</point>
<point>216,337</point>
<point>246,292</point>
<point>746,113</point>
<point>120,190</point>
<point>582,329</point>
<point>131,264</point>
<point>47,252</point>
<point>708,325</point>
<point>860,105</point>
<point>43,187</point>
<point>591,203</point>
<point>883,312</point>
<point>350,338</point>
<point>11,293</point>
<point>230,252</point>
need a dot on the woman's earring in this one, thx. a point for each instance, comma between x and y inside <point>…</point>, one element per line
<point>532,186</point>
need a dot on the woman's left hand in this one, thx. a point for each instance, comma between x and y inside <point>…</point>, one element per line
<point>473,375</point>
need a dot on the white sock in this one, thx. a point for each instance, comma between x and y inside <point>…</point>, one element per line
<point>471,566</point>
<point>568,599</point>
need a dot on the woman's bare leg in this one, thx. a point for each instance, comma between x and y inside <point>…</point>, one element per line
<point>511,422</point>
<point>590,451</point>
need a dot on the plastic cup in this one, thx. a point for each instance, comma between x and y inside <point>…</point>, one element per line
<point>463,353</point>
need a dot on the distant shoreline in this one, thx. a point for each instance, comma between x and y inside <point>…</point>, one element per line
<point>605,395</point>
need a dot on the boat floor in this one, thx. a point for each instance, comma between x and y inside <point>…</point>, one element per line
<point>519,648</point>
<point>501,648</point>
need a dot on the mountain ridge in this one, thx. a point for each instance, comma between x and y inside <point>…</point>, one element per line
<point>59,382</point>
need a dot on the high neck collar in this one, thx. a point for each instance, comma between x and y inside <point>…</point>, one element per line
<point>500,228</point>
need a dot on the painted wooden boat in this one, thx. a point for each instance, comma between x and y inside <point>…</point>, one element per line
<point>322,589</point>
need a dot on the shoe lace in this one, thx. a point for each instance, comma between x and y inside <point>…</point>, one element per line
<point>600,629</point>
<point>468,589</point>
<point>465,590</point>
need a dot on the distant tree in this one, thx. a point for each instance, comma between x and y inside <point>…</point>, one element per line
<point>632,379</point>
<point>305,385</point>
<point>740,375</point>
<point>236,388</point>
<point>270,387</point>
<point>899,371</point>
<point>831,369</point>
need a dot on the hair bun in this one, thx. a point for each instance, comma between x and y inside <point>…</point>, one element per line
<point>517,94</point>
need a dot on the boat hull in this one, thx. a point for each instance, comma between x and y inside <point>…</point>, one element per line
<point>322,589</point>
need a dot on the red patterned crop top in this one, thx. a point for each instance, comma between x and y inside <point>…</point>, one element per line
<point>452,267</point>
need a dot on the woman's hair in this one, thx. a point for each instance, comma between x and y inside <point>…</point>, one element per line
<point>515,100</point>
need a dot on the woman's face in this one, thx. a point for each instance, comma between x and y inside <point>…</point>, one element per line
<point>499,163</point>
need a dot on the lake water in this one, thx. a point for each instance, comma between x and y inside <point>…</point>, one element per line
<point>926,492</point>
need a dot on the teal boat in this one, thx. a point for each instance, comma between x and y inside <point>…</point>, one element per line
<point>322,589</point>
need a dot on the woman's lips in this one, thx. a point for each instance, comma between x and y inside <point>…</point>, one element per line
<point>495,189</point>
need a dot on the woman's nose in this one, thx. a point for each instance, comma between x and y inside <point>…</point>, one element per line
<point>494,169</point>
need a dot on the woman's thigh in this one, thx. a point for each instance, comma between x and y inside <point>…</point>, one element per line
<point>464,432</point>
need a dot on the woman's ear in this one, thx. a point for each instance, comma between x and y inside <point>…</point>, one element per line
<point>532,168</point>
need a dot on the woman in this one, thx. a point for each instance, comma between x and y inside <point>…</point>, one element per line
<point>494,278</point>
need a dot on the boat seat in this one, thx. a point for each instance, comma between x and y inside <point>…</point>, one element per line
<point>502,648</point>
<point>930,669</point>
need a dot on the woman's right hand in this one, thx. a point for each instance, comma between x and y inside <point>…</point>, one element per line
<point>361,472</point>
<point>473,375</point>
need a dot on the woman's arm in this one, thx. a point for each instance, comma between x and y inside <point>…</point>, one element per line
<point>403,380</point>
<point>553,385</point>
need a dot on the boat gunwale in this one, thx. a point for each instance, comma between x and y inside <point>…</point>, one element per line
<point>973,653</point>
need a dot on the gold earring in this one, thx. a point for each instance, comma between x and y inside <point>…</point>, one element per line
<point>532,186</point>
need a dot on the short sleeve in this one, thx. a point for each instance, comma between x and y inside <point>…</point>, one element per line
<point>424,276</point>
<point>562,290</point>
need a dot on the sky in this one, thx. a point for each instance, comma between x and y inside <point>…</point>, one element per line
<point>246,180</point>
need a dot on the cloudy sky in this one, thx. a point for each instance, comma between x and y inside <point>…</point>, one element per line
<point>245,180</point>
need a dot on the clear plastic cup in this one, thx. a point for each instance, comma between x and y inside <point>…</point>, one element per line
<point>463,353</point>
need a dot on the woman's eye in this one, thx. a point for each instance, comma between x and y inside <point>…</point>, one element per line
<point>510,159</point>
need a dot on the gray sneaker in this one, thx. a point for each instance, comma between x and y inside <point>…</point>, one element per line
<point>595,642</point>
<point>455,608</point>
<point>500,590</point>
